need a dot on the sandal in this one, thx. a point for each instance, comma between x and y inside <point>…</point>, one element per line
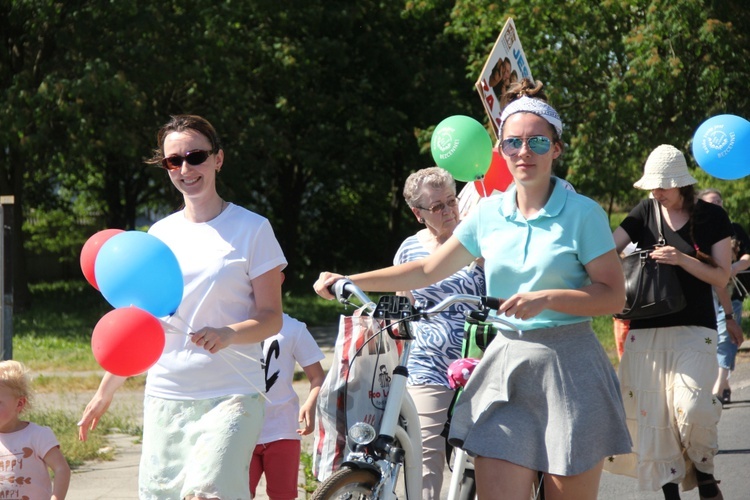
<point>726,396</point>
<point>707,482</point>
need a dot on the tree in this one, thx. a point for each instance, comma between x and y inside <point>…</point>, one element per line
<point>625,75</point>
<point>320,107</point>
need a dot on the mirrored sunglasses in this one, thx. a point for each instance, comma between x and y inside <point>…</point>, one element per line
<point>192,157</point>
<point>539,144</point>
<point>440,206</point>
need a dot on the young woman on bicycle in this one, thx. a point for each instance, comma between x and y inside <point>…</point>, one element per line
<point>548,400</point>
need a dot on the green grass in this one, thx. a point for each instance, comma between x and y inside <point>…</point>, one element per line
<point>311,482</point>
<point>55,333</point>
<point>63,424</point>
<point>313,310</point>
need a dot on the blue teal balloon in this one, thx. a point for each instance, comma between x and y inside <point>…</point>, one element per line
<point>462,146</point>
<point>721,146</point>
<point>134,268</point>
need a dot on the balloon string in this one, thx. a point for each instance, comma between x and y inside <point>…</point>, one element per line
<point>171,329</point>
<point>188,325</point>
<point>484,190</point>
<point>225,353</point>
<point>226,358</point>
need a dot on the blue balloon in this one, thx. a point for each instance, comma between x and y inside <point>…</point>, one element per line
<point>134,268</point>
<point>721,146</point>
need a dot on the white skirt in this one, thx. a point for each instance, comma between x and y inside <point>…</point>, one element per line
<point>667,377</point>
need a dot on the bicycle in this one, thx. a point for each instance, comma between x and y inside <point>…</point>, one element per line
<point>373,467</point>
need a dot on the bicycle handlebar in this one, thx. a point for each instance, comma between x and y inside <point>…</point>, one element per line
<point>343,289</point>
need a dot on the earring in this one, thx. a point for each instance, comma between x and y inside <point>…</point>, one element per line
<point>420,220</point>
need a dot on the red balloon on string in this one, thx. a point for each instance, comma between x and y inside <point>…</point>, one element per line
<point>498,177</point>
<point>90,250</point>
<point>128,341</point>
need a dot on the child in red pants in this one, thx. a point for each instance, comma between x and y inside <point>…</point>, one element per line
<point>278,450</point>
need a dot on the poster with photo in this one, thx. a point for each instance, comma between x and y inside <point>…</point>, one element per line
<point>505,65</point>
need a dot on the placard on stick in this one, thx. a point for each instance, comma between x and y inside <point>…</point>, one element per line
<point>505,65</point>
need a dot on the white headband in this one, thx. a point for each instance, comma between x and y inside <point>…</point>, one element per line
<point>531,105</point>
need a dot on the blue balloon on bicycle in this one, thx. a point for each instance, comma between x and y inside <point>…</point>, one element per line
<point>134,268</point>
<point>721,147</point>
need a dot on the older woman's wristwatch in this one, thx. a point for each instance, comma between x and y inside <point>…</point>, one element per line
<point>729,316</point>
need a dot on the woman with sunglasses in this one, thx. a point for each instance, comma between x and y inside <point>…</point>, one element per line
<point>431,196</point>
<point>203,409</point>
<point>547,400</point>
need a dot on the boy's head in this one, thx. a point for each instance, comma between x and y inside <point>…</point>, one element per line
<point>14,378</point>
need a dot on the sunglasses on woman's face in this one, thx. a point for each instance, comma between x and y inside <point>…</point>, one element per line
<point>539,144</point>
<point>192,157</point>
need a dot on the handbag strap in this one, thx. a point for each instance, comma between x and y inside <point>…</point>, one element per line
<point>657,208</point>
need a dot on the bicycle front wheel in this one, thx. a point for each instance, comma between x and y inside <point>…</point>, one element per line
<point>348,484</point>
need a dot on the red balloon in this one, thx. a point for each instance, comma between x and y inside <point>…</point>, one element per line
<point>90,250</point>
<point>497,177</point>
<point>128,341</point>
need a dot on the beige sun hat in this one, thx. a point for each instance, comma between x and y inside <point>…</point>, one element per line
<point>665,168</point>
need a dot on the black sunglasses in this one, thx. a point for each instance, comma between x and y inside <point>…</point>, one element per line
<point>192,157</point>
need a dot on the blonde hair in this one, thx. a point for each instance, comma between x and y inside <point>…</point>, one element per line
<point>435,177</point>
<point>15,376</point>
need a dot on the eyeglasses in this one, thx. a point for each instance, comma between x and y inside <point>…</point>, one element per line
<point>440,206</point>
<point>192,157</point>
<point>539,144</point>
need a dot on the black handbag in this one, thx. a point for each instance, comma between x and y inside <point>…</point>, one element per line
<point>651,289</point>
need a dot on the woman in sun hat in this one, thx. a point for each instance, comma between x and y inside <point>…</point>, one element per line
<point>669,365</point>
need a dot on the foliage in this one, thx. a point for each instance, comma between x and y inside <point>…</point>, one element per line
<point>318,106</point>
<point>311,482</point>
<point>626,75</point>
<point>324,108</point>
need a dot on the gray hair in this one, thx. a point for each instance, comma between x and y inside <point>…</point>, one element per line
<point>435,177</point>
<point>704,192</point>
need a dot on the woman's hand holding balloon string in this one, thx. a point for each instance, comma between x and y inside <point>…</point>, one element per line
<point>215,341</point>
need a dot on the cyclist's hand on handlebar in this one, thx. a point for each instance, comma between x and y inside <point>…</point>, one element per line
<point>524,305</point>
<point>323,284</point>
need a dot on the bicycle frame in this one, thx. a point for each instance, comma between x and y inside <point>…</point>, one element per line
<point>400,421</point>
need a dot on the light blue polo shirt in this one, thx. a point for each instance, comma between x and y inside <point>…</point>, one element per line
<point>546,252</point>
